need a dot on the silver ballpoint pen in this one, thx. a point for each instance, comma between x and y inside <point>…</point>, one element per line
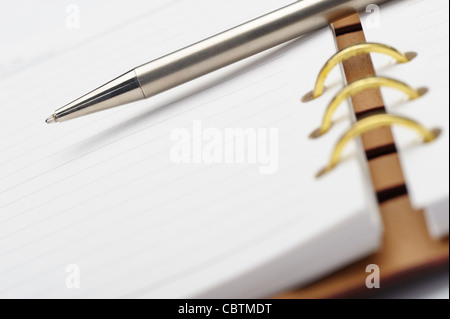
<point>270,30</point>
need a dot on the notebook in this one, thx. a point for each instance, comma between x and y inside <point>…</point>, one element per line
<point>410,244</point>
<point>108,198</point>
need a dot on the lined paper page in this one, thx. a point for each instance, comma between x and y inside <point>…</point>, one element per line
<point>101,198</point>
<point>422,27</point>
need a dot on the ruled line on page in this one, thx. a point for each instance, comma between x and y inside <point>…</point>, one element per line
<point>235,76</point>
<point>232,251</point>
<point>37,239</point>
<point>140,145</point>
<point>167,184</point>
<point>424,14</point>
<point>145,229</point>
<point>111,173</point>
<point>165,151</point>
<point>123,137</point>
<point>210,261</point>
<point>139,195</point>
<point>107,209</point>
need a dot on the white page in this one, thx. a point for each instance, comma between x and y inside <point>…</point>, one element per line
<point>102,193</point>
<point>422,27</point>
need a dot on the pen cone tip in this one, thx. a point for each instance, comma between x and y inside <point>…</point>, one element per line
<point>51,119</point>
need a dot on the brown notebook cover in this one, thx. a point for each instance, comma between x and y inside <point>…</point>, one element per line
<point>407,247</point>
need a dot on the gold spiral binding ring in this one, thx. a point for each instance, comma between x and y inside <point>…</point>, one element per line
<point>351,51</point>
<point>358,87</point>
<point>372,123</point>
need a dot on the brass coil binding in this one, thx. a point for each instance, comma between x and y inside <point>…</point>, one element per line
<point>358,87</point>
<point>373,122</point>
<point>351,51</point>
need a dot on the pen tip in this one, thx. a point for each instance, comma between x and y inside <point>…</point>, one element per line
<point>51,119</point>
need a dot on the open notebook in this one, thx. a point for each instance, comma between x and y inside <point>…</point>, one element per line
<point>104,194</point>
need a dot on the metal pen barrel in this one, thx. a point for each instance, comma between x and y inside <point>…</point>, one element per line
<point>236,44</point>
<point>241,42</point>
